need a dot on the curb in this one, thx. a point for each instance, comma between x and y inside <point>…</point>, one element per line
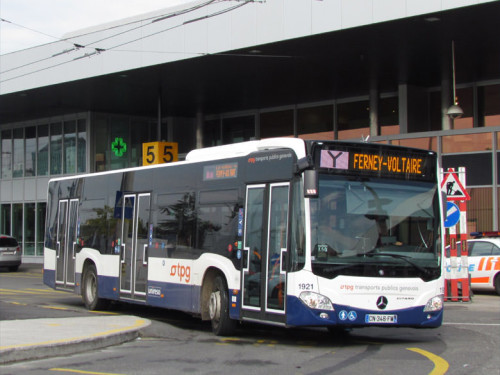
<point>73,345</point>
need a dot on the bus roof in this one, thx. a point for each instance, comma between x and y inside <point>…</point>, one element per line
<point>245,148</point>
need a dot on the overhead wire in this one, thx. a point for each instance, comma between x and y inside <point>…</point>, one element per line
<point>99,50</point>
<point>78,46</point>
<point>180,25</point>
<point>30,29</point>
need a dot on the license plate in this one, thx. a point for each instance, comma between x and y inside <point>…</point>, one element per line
<point>381,318</point>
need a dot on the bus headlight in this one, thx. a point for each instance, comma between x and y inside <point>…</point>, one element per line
<point>316,301</point>
<point>434,304</point>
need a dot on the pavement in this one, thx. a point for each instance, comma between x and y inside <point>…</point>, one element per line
<point>30,339</point>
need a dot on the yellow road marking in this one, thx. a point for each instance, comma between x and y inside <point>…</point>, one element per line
<point>53,308</point>
<point>22,275</point>
<point>31,291</point>
<point>82,372</point>
<point>46,290</point>
<point>228,340</point>
<point>440,365</point>
<point>16,291</point>
<point>103,312</point>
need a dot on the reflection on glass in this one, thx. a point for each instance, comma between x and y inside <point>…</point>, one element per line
<point>276,124</point>
<point>82,147</point>
<point>480,210</point>
<point>30,151</point>
<point>466,101</point>
<point>40,227</point>
<point>238,129</point>
<point>489,107</point>
<point>353,120</point>
<point>357,225</point>
<point>29,229</point>
<point>5,219</point>
<point>43,150</point>
<point>69,147</point>
<point>56,148</point>
<point>18,161</point>
<point>315,122</point>
<point>6,150</point>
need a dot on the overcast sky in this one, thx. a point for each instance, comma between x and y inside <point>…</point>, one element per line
<point>24,22</point>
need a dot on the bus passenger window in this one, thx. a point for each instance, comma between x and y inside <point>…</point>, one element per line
<point>176,220</point>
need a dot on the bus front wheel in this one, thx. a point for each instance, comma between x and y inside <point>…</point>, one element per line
<point>89,290</point>
<point>218,307</point>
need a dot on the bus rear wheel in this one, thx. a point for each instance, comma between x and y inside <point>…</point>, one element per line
<point>218,307</point>
<point>89,290</point>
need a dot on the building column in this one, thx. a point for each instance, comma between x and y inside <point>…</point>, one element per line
<point>374,102</point>
<point>403,107</point>
<point>199,128</point>
<point>446,89</point>
<point>158,123</point>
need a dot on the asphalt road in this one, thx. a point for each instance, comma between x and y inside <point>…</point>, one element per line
<point>176,343</point>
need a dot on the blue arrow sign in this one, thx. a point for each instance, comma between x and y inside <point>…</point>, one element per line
<point>452,215</point>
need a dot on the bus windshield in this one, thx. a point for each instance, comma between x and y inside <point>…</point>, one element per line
<point>375,227</point>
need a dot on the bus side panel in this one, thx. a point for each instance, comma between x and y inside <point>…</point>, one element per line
<point>107,267</point>
<point>170,283</point>
<point>171,296</point>
<point>49,268</point>
<point>177,283</point>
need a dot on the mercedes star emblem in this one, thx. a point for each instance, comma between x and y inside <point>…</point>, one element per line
<point>382,302</point>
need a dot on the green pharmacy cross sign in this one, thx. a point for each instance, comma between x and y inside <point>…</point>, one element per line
<point>119,147</point>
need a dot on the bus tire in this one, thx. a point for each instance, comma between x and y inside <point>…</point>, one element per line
<point>218,307</point>
<point>90,290</point>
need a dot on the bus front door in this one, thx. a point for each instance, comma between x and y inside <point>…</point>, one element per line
<point>67,233</point>
<point>134,243</point>
<point>265,247</point>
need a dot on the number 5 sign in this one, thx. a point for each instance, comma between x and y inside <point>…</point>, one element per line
<point>159,152</point>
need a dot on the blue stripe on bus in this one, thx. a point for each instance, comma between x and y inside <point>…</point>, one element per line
<point>173,296</point>
<point>299,314</point>
<point>108,287</point>
<point>49,277</point>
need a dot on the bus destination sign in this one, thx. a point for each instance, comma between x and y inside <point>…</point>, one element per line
<point>220,171</point>
<point>386,162</point>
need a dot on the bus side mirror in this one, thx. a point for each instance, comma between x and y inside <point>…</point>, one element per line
<point>311,186</point>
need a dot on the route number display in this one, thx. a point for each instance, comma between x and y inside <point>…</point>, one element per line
<point>159,153</point>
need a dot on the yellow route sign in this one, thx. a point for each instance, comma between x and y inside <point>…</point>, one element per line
<point>159,152</point>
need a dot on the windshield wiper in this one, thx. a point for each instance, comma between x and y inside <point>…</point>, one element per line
<point>397,256</point>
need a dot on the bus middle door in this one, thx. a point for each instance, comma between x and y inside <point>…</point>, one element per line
<point>265,246</point>
<point>67,233</point>
<point>134,245</point>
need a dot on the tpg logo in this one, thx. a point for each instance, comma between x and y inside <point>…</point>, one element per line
<point>184,272</point>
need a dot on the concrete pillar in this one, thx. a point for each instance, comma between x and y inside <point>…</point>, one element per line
<point>446,89</point>
<point>403,107</point>
<point>199,129</point>
<point>374,102</point>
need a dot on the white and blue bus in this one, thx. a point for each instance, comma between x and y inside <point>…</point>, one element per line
<point>279,231</point>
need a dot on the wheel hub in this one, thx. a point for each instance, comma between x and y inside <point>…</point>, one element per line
<point>214,305</point>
